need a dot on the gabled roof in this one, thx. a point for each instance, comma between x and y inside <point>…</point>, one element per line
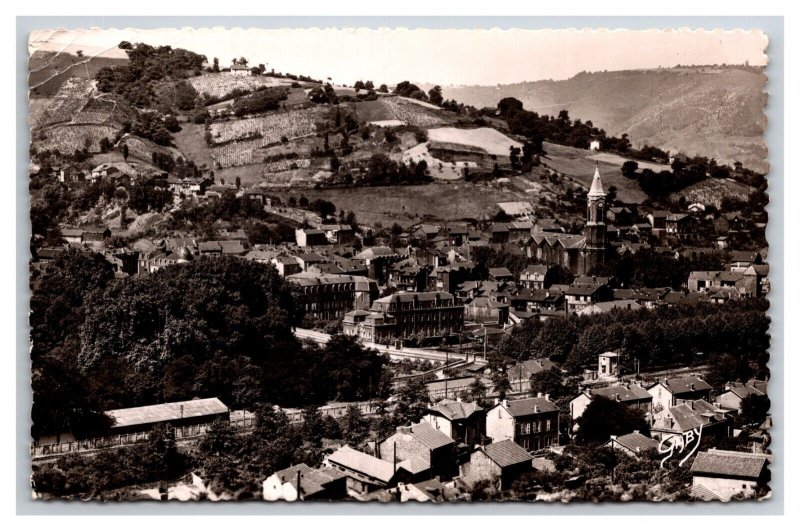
<point>535,270</point>
<point>636,442</point>
<point>731,464</point>
<point>372,253</point>
<point>426,434</point>
<point>683,384</point>
<point>507,453</point>
<point>529,406</point>
<point>626,393</point>
<point>743,390</point>
<point>455,409</point>
<point>363,463</point>
<point>527,368</point>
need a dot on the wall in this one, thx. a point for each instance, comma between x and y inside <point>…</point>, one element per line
<point>499,424</point>
<point>725,488</point>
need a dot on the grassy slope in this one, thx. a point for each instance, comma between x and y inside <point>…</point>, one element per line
<point>46,75</point>
<point>407,204</point>
<point>717,112</point>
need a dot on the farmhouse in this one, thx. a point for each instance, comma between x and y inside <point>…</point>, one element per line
<point>239,70</point>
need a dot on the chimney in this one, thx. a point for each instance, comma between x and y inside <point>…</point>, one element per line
<point>547,396</point>
<point>496,401</point>
<point>616,397</point>
<point>613,437</point>
<point>535,409</point>
<point>691,386</point>
<point>458,399</point>
<point>505,403</point>
<point>181,410</point>
<point>299,491</point>
<point>636,432</point>
<point>538,395</point>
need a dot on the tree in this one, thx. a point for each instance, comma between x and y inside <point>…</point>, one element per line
<point>435,95</point>
<point>629,168</point>
<point>355,428</point>
<point>215,67</point>
<point>501,385</point>
<point>383,88</point>
<point>755,409</point>
<point>412,401</point>
<point>603,418</point>
<point>551,382</point>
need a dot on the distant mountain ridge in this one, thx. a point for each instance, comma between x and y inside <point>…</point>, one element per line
<point>713,111</point>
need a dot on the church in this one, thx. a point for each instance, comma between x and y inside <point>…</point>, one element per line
<point>576,252</point>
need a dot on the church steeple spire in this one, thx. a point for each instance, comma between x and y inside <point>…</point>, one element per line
<point>596,190</point>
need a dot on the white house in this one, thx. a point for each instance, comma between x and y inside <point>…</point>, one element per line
<point>674,391</point>
<point>240,70</point>
<point>594,145</point>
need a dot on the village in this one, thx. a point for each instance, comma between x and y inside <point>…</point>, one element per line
<point>573,339</point>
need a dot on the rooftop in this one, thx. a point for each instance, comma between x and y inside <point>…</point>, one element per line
<point>507,453</point>
<point>134,416</point>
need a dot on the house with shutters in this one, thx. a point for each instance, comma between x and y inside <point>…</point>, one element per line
<point>673,391</point>
<point>464,422</point>
<point>531,422</point>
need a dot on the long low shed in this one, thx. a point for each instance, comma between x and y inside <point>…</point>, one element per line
<point>177,414</point>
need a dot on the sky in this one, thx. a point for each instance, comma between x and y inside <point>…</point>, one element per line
<point>445,57</point>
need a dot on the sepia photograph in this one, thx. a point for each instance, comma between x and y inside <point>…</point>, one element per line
<point>349,264</point>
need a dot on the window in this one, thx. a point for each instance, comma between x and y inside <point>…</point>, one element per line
<point>547,425</point>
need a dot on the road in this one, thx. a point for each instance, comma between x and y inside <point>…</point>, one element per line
<point>394,353</point>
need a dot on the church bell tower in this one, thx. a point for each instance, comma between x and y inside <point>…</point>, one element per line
<point>595,249</point>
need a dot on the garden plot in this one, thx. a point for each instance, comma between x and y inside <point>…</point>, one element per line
<point>489,140</point>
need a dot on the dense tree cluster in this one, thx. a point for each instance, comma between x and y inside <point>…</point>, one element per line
<point>146,64</point>
<point>383,171</point>
<point>649,269</point>
<point>262,100</point>
<point>656,338</point>
<point>410,90</point>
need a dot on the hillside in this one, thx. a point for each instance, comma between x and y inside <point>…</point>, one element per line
<point>49,70</point>
<point>713,111</point>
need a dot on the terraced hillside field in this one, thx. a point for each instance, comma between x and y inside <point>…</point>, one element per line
<point>271,127</point>
<point>68,138</point>
<point>218,85</point>
<point>71,97</point>
<point>401,111</point>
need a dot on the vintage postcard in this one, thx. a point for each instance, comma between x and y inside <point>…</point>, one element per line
<point>399,265</point>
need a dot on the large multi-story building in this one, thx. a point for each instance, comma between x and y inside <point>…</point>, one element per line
<point>407,315</point>
<point>531,423</point>
<point>330,297</point>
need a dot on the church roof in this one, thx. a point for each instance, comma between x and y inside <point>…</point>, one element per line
<point>597,185</point>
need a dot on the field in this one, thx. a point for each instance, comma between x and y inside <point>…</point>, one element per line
<point>68,138</point>
<point>485,138</point>
<point>271,127</point>
<point>268,128</point>
<point>73,95</point>
<point>612,158</point>
<point>438,169</point>
<point>217,85</point>
<point>48,71</point>
<point>409,204</point>
<point>404,110</point>
<point>143,149</point>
